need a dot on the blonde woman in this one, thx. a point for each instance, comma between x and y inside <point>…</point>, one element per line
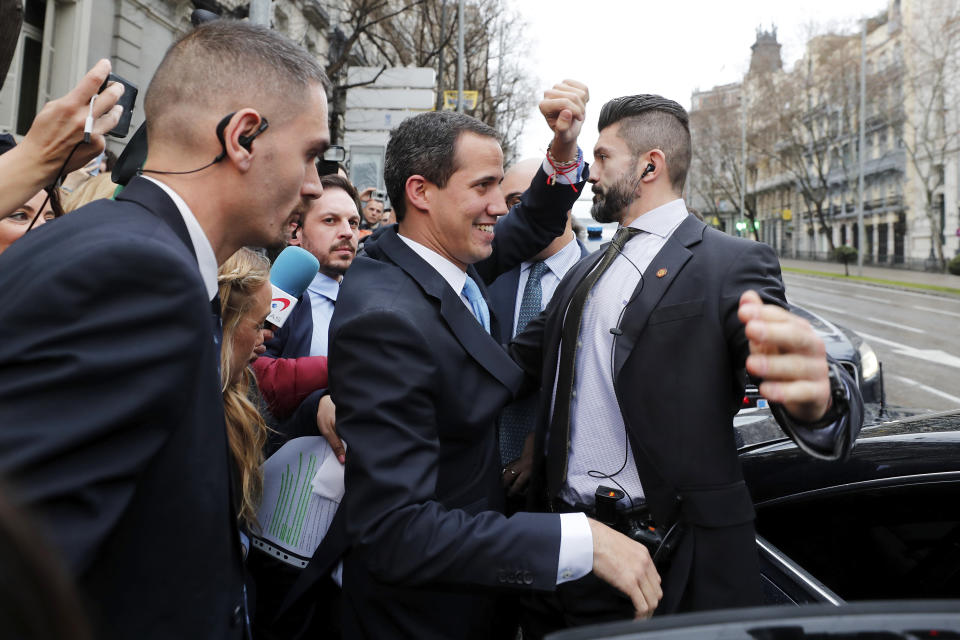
<point>96,188</point>
<point>244,304</point>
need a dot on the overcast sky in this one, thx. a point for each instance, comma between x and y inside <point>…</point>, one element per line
<point>670,47</point>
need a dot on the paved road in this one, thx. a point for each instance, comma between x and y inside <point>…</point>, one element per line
<point>915,335</point>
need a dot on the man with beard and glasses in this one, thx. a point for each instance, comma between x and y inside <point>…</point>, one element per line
<point>642,355</point>
<point>112,427</point>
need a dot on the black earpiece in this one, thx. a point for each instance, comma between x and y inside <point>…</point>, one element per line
<point>647,170</point>
<point>221,127</point>
<point>244,141</point>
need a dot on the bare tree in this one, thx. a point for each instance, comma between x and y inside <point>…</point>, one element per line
<point>357,40</point>
<point>718,164</point>
<point>809,134</point>
<point>422,33</point>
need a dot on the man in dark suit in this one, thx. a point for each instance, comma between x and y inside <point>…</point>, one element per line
<point>423,499</point>
<point>292,376</point>
<point>641,354</point>
<point>111,418</point>
<point>516,297</point>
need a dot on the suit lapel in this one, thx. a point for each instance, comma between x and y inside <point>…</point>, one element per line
<point>475,340</point>
<point>301,330</point>
<point>503,300</point>
<point>670,262</point>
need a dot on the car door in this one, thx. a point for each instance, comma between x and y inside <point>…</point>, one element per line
<point>894,539</point>
<point>786,582</point>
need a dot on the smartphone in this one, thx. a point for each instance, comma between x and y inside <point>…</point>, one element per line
<point>331,160</point>
<point>127,101</point>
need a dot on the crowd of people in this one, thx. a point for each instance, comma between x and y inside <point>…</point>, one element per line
<point>504,408</point>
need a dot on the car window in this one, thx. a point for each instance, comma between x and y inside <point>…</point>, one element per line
<point>881,543</point>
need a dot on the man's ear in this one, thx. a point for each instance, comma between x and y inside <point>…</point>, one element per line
<point>417,191</point>
<point>658,160</point>
<point>243,123</point>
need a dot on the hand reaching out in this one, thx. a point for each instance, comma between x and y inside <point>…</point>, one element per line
<point>788,355</point>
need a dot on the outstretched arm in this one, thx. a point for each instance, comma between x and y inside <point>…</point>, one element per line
<point>34,163</point>
<point>541,215</point>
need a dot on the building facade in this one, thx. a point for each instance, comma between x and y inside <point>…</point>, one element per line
<point>800,146</point>
<point>61,39</point>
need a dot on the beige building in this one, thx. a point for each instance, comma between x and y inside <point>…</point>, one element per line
<point>61,39</point>
<point>802,138</point>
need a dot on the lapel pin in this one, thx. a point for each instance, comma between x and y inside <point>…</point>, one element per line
<point>661,273</point>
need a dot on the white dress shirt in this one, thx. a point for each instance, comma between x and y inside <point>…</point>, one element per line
<point>576,540</point>
<point>454,275</point>
<point>557,266</point>
<point>206,259</point>
<point>323,292</point>
<point>598,437</point>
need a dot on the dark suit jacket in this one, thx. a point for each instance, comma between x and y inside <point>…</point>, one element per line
<point>111,418</point>
<point>417,408</point>
<point>678,375</point>
<point>503,298</point>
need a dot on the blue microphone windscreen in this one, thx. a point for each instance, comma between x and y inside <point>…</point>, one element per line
<point>294,270</point>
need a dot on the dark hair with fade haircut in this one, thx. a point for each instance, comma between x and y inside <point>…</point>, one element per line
<point>425,145</point>
<point>227,65</point>
<point>336,181</point>
<point>332,181</point>
<point>648,122</point>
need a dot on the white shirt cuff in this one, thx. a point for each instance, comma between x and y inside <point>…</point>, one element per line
<point>576,547</point>
<point>571,177</point>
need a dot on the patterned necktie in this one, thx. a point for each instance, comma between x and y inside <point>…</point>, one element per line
<point>516,419</point>
<point>531,304</point>
<point>559,446</point>
<point>477,303</point>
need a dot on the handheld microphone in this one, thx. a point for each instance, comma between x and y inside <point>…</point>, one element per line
<point>291,274</point>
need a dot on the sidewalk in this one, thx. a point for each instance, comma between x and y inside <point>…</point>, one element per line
<point>944,283</point>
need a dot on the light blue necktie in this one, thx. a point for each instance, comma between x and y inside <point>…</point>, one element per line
<point>479,306</point>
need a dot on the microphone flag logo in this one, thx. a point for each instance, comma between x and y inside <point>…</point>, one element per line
<point>281,305</point>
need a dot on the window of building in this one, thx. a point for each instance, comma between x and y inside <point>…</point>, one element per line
<point>22,91</point>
